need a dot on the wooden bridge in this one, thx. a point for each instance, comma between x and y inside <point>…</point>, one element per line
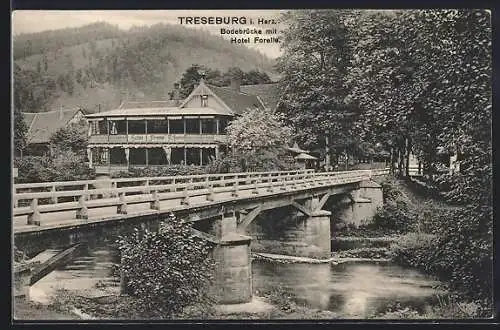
<point>67,214</point>
<point>42,206</point>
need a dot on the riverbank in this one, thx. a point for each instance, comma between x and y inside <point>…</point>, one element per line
<point>408,245</point>
<point>67,305</point>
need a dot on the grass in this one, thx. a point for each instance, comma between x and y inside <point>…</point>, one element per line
<point>448,307</point>
<point>27,310</point>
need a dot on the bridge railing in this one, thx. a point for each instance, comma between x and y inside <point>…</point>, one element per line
<point>156,189</point>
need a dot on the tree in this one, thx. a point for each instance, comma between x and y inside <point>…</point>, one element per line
<point>382,80</point>
<point>423,80</point>
<point>45,62</point>
<point>78,76</point>
<point>71,138</point>
<point>20,132</point>
<point>166,270</point>
<point>258,138</point>
<point>314,63</point>
<point>192,77</point>
<point>255,77</point>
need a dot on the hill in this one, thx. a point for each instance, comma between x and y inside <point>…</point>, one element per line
<point>99,64</point>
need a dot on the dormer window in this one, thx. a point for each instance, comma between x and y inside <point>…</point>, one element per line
<point>204,101</point>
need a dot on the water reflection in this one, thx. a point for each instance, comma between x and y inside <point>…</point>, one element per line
<point>352,290</point>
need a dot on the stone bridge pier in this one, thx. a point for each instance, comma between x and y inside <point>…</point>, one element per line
<point>233,263</point>
<point>360,206</point>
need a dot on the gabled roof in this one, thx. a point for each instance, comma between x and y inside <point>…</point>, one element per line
<point>295,149</point>
<point>149,104</point>
<point>42,125</point>
<point>238,102</point>
<point>268,93</point>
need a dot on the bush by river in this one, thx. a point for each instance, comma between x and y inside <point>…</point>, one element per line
<point>425,242</point>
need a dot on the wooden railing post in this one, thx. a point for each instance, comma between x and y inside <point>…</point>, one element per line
<point>270,182</point>
<point>54,198</point>
<point>147,190</point>
<point>114,185</point>
<point>122,208</point>
<point>283,184</point>
<point>234,193</point>
<point>185,197</point>
<point>34,218</point>
<point>155,204</point>
<point>211,195</point>
<point>255,189</point>
<point>83,211</point>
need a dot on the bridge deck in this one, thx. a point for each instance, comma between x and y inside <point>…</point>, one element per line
<point>139,205</point>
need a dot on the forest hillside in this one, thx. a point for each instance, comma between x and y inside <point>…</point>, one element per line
<point>99,65</point>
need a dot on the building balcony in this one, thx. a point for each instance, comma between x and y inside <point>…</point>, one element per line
<point>159,138</point>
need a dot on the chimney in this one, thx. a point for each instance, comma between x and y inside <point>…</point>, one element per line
<point>176,96</point>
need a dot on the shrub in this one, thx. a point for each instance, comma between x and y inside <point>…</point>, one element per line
<point>166,270</point>
<point>397,213</point>
<point>261,160</point>
<point>414,250</point>
<point>167,170</point>
<point>33,169</point>
<point>396,216</point>
<point>64,166</point>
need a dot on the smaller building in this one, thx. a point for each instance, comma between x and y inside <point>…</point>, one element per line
<point>42,125</point>
<point>302,157</point>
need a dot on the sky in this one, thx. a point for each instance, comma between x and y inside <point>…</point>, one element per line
<point>29,21</point>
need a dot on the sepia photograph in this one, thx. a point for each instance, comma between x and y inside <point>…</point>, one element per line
<point>301,164</point>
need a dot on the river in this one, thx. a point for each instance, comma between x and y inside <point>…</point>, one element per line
<point>351,290</point>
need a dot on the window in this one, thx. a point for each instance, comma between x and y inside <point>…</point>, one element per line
<point>208,126</point>
<point>157,156</point>
<point>177,156</point>
<point>137,156</point>
<point>204,101</point>
<point>94,128</point>
<point>192,126</point>
<point>104,156</point>
<point>157,126</point>
<point>117,127</point>
<point>223,123</point>
<point>176,126</point>
<point>136,127</point>
<point>208,155</point>
<point>102,127</point>
<point>192,156</point>
<point>117,156</point>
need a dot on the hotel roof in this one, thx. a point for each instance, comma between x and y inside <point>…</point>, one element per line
<point>166,111</point>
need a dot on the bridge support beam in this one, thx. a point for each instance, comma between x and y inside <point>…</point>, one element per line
<point>233,264</point>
